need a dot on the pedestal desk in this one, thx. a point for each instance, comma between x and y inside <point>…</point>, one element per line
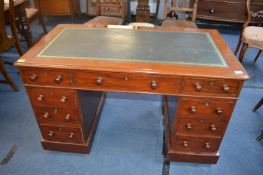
<point>67,73</point>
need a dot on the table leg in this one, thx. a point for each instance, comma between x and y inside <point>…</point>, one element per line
<point>21,14</point>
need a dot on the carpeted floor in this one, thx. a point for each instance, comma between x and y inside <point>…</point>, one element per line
<point>129,135</point>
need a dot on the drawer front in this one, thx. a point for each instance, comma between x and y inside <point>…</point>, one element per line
<point>57,115</point>
<point>196,144</point>
<point>110,10</point>
<point>127,82</point>
<point>200,126</point>
<point>52,97</point>
<point>205,108</point>
<point>62,134</point>
<point>222,10</point>
<point>46,77</point>
<point>213,87</point>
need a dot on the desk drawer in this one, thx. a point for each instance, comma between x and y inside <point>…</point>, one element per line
<point>196,144</point>
<point>46,77</point>
<point>200,126</point>
<point>62,134</point>
<point>213,87</point>
<point>206,108</point>
<point>52,97</point>
<point>57,115</point>
<point>127,82</point>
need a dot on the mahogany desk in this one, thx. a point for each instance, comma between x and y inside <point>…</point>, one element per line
<point>68,71</point>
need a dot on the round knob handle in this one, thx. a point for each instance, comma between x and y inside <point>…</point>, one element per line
<point>33,77</point>
<point>40,97</point>
<point>212,10</point>
<point>189,126</point>
<point>46,115</point>
<point>63,99</point>
<point>213,128</point>
<point>185,144</point>
<point>207,145</point>
<point>193,109</point>
<point>58,78</point>
<point>198,87</point>
<point>219,111</point>
<point>99,81</point>
<point>71,135</point>
<point>51,133</point>
<point>154,84</point>
<point>67,117</point>
<point>226,88</point>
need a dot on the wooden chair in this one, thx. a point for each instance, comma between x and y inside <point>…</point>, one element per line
<point>7,41</point>
<point>251,36</point>
<point>182,7</point>
<point>110,12</point>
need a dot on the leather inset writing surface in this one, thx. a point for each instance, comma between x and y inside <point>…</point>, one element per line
<point>165,47</point>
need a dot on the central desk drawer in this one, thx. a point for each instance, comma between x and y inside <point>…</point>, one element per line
<point>52,97</point>
<point>127,82</point>
<point>62,134</point>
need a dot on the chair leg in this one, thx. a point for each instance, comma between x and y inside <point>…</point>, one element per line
<point>260,103</point>
<point>42,23</point>
<point>259,53</point>
<point>239,44</point>
<point>242,52</point>
<point>7,77</point>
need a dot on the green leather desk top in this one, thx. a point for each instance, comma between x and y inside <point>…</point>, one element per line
<point>165,47</point>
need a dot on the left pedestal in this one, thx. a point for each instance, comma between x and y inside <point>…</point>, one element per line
<point>67,118</point>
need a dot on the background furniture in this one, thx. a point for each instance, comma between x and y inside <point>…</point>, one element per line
<point>226,10</point>
<point>58,81</point>
<point>171,13</point>
<point>58,7</point>
<point>109,13</point>
<point>7,41</point>
<point>251,36</point>
<point>143,11</point>
<point>258,105</point>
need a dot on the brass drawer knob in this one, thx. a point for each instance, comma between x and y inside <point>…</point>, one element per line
<point>213,128</point>
<point>33,77</point>
<point>212,10</point>
<point>46,115</point>
<point>219,111</point>
<point>154,84</point>
<point>63,99</point>
<point>99,81</point>
<point>189,126</point>
<point>40,97</point>
<point>67,117</point>
<point>207,145</point>
<point>193,109</point>
<point>185,144</point>
<point>58,78</point>
<point>51,133</point>
<point>198,87</point>
<point>71,135</point>
<point>226,88</point>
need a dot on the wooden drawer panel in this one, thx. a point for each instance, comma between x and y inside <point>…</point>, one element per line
<point>110,10</point>
<point>52,97</point>
<point>57,115</point>
<point>222,10</point>
<point>46,77</point>
<point>127,82</point>
<point>215,87</point>
<point>62,134</point>
<point>196,144</point>
<point>205,108</point>
<point>200,126</point>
